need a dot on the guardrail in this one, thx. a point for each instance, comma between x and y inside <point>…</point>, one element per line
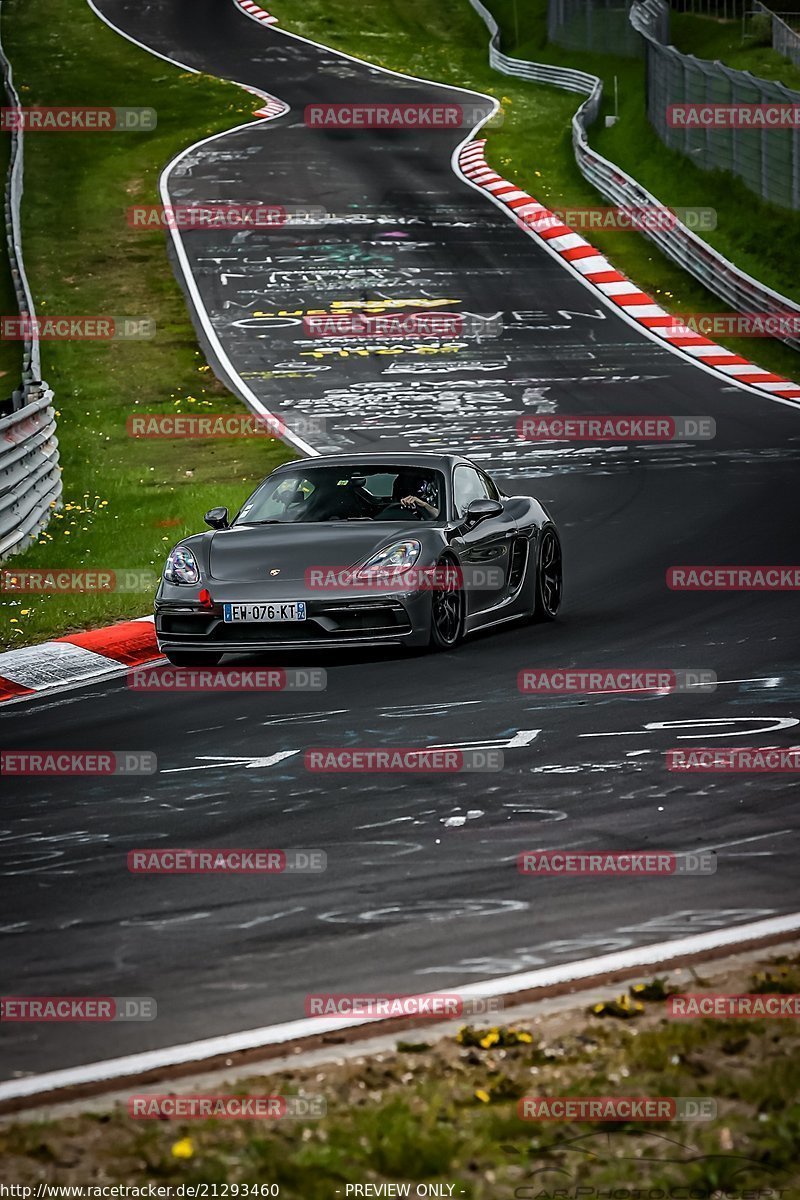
<point>31,364</point>
<point>738,289</point>
<point>30,478</point>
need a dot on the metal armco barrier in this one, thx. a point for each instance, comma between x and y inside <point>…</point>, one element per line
<point>30,478</point>
<point>31,366</point>
<point>723,278</point>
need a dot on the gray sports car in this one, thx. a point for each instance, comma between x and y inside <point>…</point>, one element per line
<point>353,549</point>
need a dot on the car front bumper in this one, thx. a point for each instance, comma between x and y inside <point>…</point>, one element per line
<point>182,623</point>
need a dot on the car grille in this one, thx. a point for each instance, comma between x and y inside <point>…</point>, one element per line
<point>370,618</point>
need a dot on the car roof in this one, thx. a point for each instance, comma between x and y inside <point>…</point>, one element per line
<point>386,458</point>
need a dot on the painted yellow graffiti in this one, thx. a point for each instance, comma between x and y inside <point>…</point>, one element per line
<point>377,306</point>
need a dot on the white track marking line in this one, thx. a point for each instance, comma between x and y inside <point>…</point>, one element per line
<point>111,1070</point>
<point>234,760</point>
<point>759,837</point>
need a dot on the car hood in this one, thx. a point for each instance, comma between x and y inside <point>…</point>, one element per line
<point>248,554</point>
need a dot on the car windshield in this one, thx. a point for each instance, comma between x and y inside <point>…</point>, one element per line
<point>371,493</point>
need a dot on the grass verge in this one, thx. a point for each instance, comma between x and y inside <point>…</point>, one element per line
<point>448,42</point>
<point>447,1111</point>
<point>126,501</point>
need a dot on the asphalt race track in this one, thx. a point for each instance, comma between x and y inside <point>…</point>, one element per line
<point>422,890</point>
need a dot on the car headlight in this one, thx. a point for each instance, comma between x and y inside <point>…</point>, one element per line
<point>181,566</point>
<point>398,557</point>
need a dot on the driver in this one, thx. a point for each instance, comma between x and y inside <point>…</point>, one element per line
<point>417,491</point>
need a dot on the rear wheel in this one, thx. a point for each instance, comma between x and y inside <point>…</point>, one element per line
<point>549,576</point>
<point>447,607</point>
<point>192,658</point>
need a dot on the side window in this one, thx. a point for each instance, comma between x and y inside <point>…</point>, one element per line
<point>468,485</point>
<point>493,491</point>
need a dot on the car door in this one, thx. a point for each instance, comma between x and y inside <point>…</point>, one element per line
<point>484,548</point>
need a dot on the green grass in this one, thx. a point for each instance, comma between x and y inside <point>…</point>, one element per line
<point>126,501</point>
<point>448,42</point>
<point>448,1113</point>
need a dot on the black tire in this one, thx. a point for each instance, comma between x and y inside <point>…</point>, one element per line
<point>447,607</point>
<point>549,584</point>
<point>192,658</point>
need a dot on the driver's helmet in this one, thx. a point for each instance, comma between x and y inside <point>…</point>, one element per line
<point>416,483</point>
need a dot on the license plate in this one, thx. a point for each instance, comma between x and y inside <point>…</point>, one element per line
<point>289,610</point>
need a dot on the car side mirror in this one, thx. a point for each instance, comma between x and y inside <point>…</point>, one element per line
<point>217,518</point>
<point>482,508</point>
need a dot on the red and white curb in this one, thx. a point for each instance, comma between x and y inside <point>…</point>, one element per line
<point>76,658</point>
<point>257,13</point>
<point>273,108</point>
<point>612,284</point>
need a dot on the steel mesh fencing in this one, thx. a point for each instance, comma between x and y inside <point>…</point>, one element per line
<point>767,160</point>
<point>785,34</point>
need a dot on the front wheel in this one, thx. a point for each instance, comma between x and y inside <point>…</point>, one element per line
<point>447,607</point>
<point>192,658</point>
<point>549,576</point>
